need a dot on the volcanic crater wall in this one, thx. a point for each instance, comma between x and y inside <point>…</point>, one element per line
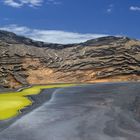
<point>24,61</point>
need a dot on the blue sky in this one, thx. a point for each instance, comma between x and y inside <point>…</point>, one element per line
<point>70,21</point>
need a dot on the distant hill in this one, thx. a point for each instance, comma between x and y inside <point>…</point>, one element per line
<point>107,59</point>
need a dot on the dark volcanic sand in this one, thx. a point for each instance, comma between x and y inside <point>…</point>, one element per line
<point>91,112</point>
<point>38,100</point>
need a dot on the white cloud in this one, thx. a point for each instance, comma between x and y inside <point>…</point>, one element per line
<point>54,2</point>
<point>30,3</point>
<point>134,8</point>
<point>20,3</point>
<point>110,8</point>
<point>51,36</point>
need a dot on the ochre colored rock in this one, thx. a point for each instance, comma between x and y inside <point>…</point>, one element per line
<point>107,59</point>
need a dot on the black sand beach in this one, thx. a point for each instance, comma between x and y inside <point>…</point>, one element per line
<point>37,100</point>
<point>108,111</point>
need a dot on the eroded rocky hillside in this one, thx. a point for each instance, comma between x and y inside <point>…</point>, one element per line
<point>24,61</point>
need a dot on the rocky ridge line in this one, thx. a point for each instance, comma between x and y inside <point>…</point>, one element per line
<point>24,61</point>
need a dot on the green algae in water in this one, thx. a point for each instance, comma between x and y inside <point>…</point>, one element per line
<point>12,102</point>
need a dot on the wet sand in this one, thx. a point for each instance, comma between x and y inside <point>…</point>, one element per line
<point>108,111</point>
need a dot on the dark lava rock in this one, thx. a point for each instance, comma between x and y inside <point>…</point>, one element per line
<point>102,59</point>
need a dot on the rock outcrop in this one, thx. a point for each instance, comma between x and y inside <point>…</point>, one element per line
<point>24,61</point>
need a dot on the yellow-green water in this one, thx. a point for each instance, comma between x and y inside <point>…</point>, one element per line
<point>12,102</point>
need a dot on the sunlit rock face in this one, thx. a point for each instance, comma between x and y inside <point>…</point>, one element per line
<point>24,61</point>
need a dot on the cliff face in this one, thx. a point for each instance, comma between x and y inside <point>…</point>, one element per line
<point>24,61</point>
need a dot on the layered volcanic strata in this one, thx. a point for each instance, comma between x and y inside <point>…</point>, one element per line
<point>24,61</point>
